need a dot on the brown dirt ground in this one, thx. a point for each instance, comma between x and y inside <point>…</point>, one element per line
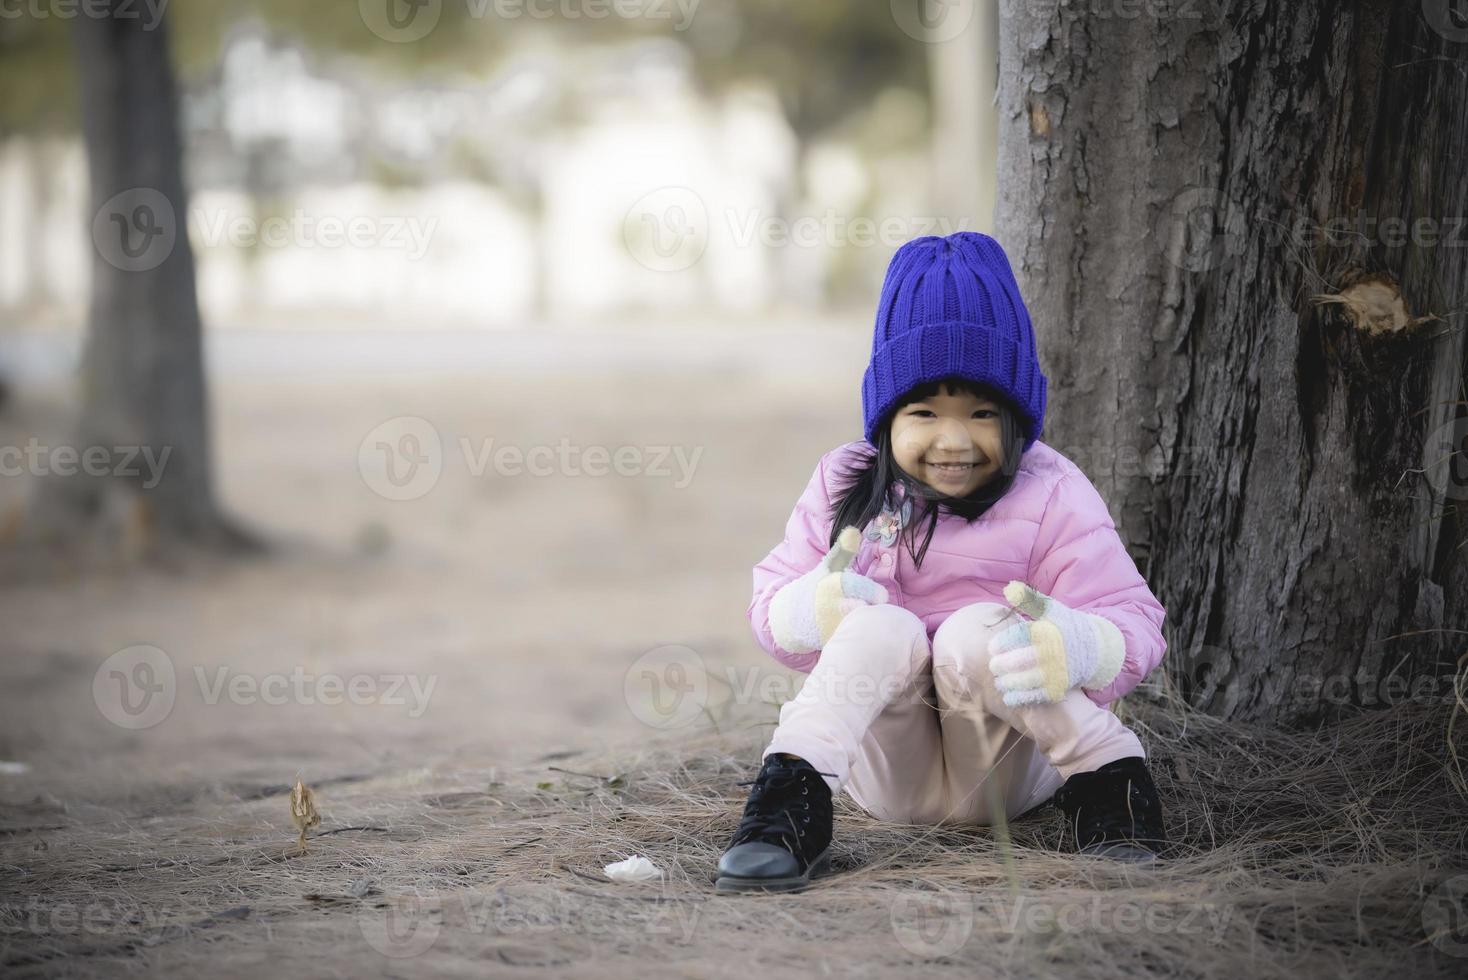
<point>469,838</point>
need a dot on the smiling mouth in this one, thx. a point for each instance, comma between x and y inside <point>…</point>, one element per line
<point>953,469</point>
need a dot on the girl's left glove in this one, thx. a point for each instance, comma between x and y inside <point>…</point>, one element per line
<point>805,612</point>
<point>1038,661</point>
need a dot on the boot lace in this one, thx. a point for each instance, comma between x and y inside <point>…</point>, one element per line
<point>779,806</point>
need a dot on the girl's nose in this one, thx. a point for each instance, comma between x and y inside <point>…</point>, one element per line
<point>950,436</point>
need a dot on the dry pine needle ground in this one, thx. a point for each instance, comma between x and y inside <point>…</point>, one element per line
<point>1338,852</point>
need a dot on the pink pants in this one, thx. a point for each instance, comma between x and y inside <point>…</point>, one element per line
<point>918,733</point>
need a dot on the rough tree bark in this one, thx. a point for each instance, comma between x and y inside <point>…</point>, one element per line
<point>142,373</point>
<point>1263,375</point>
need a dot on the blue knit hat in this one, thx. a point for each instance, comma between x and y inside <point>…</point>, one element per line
<point>950,306</point>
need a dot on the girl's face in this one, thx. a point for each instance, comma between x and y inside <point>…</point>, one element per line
<point>952,441</point>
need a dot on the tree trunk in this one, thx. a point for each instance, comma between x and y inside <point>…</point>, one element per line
<point>962,71</point>
<point>1290,473</point>
<point>143,386</point>
<point>41,156</point>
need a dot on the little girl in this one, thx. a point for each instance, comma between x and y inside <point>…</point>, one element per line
<point>966,679</point>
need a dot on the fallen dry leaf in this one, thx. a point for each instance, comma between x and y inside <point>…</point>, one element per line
<point>303,810</point>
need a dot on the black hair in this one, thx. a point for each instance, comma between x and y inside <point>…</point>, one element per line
<point>864,493</point>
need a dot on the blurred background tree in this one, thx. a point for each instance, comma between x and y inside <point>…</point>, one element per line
<point>220,95</point>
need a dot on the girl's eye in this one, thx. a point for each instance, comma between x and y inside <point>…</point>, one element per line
<point>982,413</point>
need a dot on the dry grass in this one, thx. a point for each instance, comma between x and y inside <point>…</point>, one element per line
<point>1327,853</point>
<point>172,851</point>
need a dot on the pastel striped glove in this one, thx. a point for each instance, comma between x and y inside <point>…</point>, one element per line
<point>804,613</point>
<point>1037,661</point>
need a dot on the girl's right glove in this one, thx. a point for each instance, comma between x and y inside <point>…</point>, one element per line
<point>804,613</point>
<point>1037,661</point>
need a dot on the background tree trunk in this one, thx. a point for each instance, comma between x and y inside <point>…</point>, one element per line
<point>962,72</point>
<point>40,156</point>
<point>1291,476</point>
<point>142,372</point>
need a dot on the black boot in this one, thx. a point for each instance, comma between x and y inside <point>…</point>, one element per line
<point>1114,811</point>
<point>785,833</point>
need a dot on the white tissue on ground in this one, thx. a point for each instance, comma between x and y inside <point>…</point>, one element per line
<point>635,868</point>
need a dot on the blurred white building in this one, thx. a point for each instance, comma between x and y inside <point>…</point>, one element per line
<point>574,184</point>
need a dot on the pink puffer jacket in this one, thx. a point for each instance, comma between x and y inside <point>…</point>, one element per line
<point>1051,529</point>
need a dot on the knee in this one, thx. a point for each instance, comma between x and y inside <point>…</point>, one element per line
<point>884,627</point>
<point>963,638</point>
